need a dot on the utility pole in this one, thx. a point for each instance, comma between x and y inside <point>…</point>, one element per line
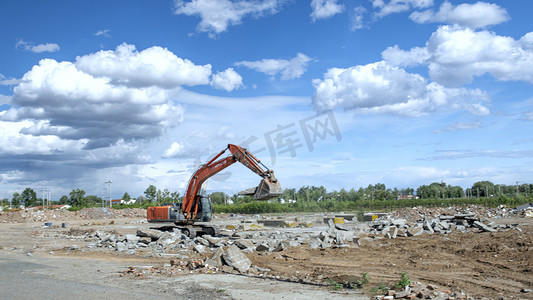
<point>44,190</point>
<point>517,192</point>
<point>109,192</point>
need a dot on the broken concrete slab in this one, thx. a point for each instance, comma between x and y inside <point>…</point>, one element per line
<point>394,232</point>
<point>341,227</point>
<point>463,216</point>
<point>121,247</point>
<point>151,233</point>
<point>414,231</point>
<point>262,247</point>
<point>131,238</point>
<point>372,216</point>
<point>235,258</point>
<point>202,241</point>
<point>243,244</point>
<point>399,222</point>
<point>199,248</point>
<point>347,217</point>
<point>275,223</point>
<point>218,256</point>
<point>211,263</point>
<point>483,227</point>
<point>214,241</point>
<point>427,226</point>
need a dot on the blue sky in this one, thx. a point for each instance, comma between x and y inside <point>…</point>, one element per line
<point>140,92</point>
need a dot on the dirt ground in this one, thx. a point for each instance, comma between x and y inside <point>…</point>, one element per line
<point>482,265</point>
<point>490,265</point>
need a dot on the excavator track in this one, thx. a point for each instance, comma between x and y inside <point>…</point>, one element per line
<point>192,231</point>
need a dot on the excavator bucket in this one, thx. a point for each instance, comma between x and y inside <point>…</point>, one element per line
<point>268,189</point>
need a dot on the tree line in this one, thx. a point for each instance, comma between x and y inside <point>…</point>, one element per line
<point>304,196</point>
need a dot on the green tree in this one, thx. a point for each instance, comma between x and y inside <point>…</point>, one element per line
<point>151,192</point>
<point>483,189</point>
<point>289,194</point>
<point>29,197</point>
<point>126,197</point>
<point>455,192</point>
<point>15,201</point>
<point>352,195</point>
<point>63,200</point>
<point>92,200</point>
<point>343,195</point>
<point>165,195</point>
<point>77,197</point>
<point>175,196</point>
<point>218,197</point>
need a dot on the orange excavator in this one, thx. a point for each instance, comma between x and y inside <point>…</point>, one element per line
<point>197,208</point>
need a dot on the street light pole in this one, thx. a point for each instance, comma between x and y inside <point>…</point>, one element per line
<point>109,192</point>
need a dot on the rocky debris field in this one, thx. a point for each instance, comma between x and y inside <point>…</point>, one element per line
<point>93,213</point>
<point>454,253</point>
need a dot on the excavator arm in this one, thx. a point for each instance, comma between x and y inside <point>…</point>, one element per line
<point>268,188</point>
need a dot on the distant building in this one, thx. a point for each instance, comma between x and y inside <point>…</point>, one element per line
<point>122,201</point>
<point>54,206</point>
<point>403,197</point>
<point>283,201</point>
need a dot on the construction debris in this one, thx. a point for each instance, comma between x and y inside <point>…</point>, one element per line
<point>464,222</point>
<point>245,247</point>
<point>93,213</point>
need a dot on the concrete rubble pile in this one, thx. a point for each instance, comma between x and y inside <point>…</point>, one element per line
<point>525,210</point>
<point>175,243</point>
<point>415,213</point>
<point>462,222</point>
<point>229,253</point>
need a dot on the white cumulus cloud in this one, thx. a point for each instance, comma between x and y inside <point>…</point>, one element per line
<point>104,32</point>
<point>228,80</point>
<point>323,9</point>
<point>477,15</point>
<point>75,105</point>
<point>217,15</point>
<point>396,6</point>
<point>382,88</point>
<point>358,18</point>
<point>12,142</point>
<point>181,150</point>
<point>289,69</point>
<point>154,66</point>
<point>29,46</point>
<point>455,55</point>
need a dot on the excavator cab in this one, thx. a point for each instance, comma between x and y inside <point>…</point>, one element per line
<point>204,209</point>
